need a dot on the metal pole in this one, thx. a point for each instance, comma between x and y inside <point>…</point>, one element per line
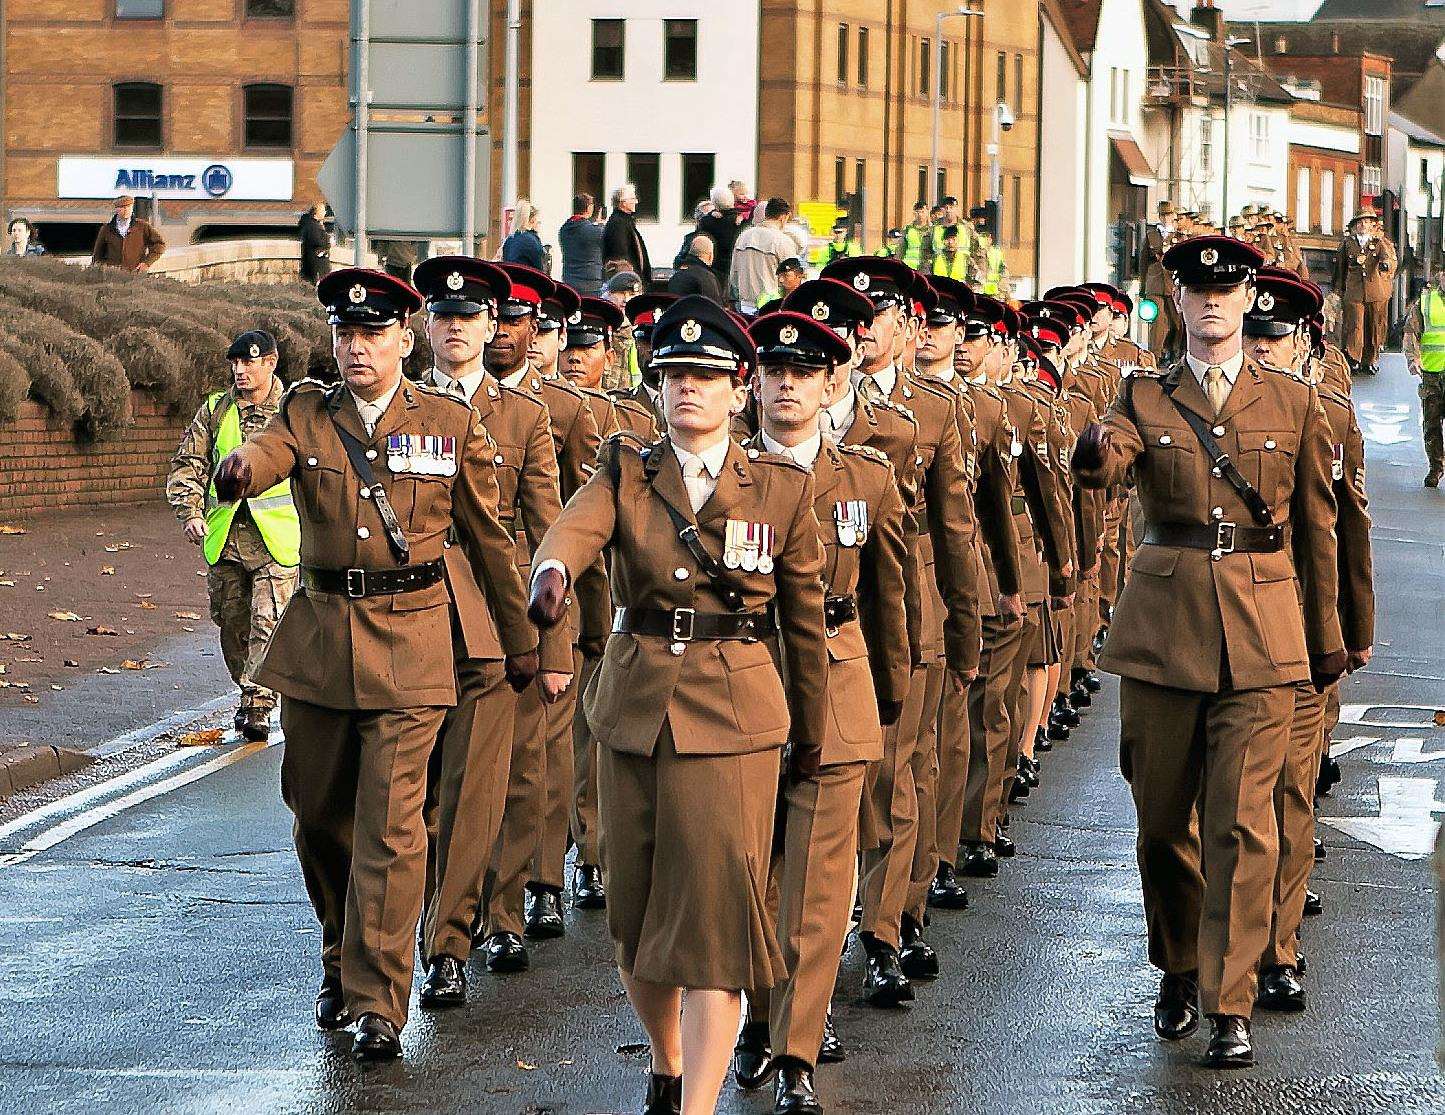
<point>937,107</point>
<point>1224,216</point>
<point>509,109</point>
<point>361,20</point>
<point>469,134</point>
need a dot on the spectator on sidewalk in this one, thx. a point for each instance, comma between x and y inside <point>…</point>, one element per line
<point>743,201</point>
<point>696,275</point>
<point>315,244</point>
<point>758,254</point>
<point>21,239</point>
<point>580,239</point>
<point>126,241</point>
<point>622,245</point>
<point>723,226</point>
<point>525,243</point>
<point>251,547</point>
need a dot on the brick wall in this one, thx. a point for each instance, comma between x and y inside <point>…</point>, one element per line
<point>42,467</point>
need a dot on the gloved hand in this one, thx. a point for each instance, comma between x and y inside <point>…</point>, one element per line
<point>1011,607</point>
<point>803,762</point>
<point>592,648</point>
<point>1090,449</point>
<point>521,669</point>
<point>889,712</point>
<point>233,478</point>
<point>1358,659</point>
<point>1326,669</point>
<point>549,598</point>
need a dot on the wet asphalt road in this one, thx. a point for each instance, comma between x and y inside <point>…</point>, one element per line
<point>163,958</point>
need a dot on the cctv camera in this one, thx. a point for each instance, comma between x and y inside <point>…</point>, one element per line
<point>1005,116</point>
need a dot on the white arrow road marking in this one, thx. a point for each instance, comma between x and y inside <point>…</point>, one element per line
<point>1405,827</point>
<point>1410,749</point>
<point>1381,422</point>
<point>1355,714</point>
<point>1354,743</point>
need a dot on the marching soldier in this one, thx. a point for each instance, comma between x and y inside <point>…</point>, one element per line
<point>363,656</point>
<point>1210,638</point>
<point>688,706</point>
<point>1157,285</point>
<point>252,547</point>
<point>584,363</point>
<point>1365,278</point>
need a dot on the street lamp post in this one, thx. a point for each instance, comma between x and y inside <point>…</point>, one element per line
<point>1229,44</point>
<point>938,87</point>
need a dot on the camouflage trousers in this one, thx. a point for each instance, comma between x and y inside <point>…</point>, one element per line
<point>248,593</point>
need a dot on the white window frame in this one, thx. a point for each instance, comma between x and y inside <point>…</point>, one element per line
<point>1302,199</point>
<point>1206,145</point>
<point>1327,203</point>
<point>1375,106</point>
<point>1259,137</point>
<point>1349,192</point>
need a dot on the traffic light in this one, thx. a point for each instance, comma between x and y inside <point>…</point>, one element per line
<point>1147,309</point>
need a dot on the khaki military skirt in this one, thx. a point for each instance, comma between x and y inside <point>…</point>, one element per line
<point>686,854</point>
<point>1043,647</point>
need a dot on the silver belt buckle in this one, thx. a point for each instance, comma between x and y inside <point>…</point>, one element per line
<point>682,624</point>
<point>356,583</point>
<point>1224,538</point>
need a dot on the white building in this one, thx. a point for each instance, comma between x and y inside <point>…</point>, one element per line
<point>1415,170</point>
<point>661,93</point>
<point>1063,113</point>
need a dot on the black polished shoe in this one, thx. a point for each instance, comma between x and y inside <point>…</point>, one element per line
<point>506,953</point>
<point>445,984</point>
<point>1065,713</point>
<point>1314,904</point>
<point>376,1039</point>
<point>1029,771</point>
<point>1329,775</point>
<point>1003,847</point>
<point>1280,988</point>
<point>1433,477</point>
<point>544,914</point>
<point>753,1057</point>
<point>1319,849</point>
<point>1091,681</point>
<point>946,892</point>
<point>588,890</point>
<point>1057,731</point>
<point>794,1094</point>
<point>239,718</point>
<point>255,724</point>
<point>1301,964</point>
<point>885,984</point>
<point>1018,791</point>
<point>664,1095</point>
<point>916,957</point>
<point>1080,697</point>
<point>831,1052</point>
<point>1176,1010</point>
<point>1003,822</point>
<point>1229,1043</point>
<point>331,1012</point>
<point>977,861</point>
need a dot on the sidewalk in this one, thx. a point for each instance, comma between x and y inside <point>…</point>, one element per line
<point>141,646</point>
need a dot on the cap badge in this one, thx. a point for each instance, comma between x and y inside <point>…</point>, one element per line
<point>356,295</point>
<point>861,281</point>
<point>1265,302</point>
<point>819,311</point>
<point>1209,257</point>
<point>690,331</point>
<point>575,318</point>
<point>788,334</point>
<point>1034,332</point>
<point>455,281</point>
<point>255,351</point>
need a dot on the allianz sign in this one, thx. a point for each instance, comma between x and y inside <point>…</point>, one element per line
<point>215,180</point>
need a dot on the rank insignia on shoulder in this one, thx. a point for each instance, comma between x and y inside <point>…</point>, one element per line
<point>748,546</point>
<point>421,454</point>
<point>850,519</point>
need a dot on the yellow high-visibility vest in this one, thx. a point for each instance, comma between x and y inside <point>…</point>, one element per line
<point>994,277</point>
<point>273,510</point>
<point>957,268</point>
<point>913,240</point>
<point>1432,332</point>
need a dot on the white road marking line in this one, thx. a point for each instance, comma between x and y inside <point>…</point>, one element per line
<point>92,817</point>
<point>160,727</point>
<point>1405,826</point>
<point>1355,714</point>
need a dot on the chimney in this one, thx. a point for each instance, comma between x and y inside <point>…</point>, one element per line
<point>1206,16</point>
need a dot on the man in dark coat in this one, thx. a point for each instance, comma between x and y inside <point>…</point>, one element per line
<point>315,244</point>
<point>723,224</point>
<point>696,275</point>
<point>580,239</point>
<point>126,241</point>
<point>620,239</point>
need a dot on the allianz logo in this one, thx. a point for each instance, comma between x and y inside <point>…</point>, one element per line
<point>216,180</point>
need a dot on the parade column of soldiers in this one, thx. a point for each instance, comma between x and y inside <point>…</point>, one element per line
<point>945,483</point>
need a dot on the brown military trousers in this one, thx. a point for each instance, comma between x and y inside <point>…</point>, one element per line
<point>1362,331</point>
<point>511,861</point>
<point>1294,810</point>
<point>990,726</point>
<point>549,861</point>
<point>586,831</point>
<point>928,849</point>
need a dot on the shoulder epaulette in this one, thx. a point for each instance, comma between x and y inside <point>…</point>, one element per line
<point>894,408</point>
<point>518,393</point>
<point>868,452</point>
<point>933,387</point>
<point>564,384</point>
<point>437,393</point>
<point>627,438</point>
<point>301,387</point>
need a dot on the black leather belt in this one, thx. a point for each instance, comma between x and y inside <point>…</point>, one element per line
<point>1019,505</point>
<point>838,610</point>
<point>1221,538</point>
<point>683,625</point>
<point>357,583</point>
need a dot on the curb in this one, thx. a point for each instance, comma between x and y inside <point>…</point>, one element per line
<point>29,766</point>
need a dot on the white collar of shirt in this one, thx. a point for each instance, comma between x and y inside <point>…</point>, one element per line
<point>517,376</point>
<point>123,227</point>
<point>839,416</point>
<point>654,394</point>
<point>1231,367</point>
<point>712,457</point>
<point>885,378</point>
<point>804,453</point>
<point>371,412</point>
<point>945,376</point>
<point>467,385</point>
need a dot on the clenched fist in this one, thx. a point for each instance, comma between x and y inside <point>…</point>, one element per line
<point>233,478</point>
<point>889,712</point>
<point>521,669</point>
<point>549,598</point>
<point>1091,447</point>
<point>1325,669</point>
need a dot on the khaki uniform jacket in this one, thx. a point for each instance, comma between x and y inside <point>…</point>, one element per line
<point>993,492</point>
<point>1352,521</point>
<point>1043,519</point>
<point>526,467</point>
<point>392,651</point>
<point>1183,615</point>
<point>639,395</point>
<point>1156,282</point>
<point>1088,502</point>
<point>720,696</point>
<point>638,419</point>
<point>1126,355</point>
<point>1335,369</point>
<point>1365,274</point>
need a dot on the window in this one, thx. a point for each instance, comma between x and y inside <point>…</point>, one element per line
<point>1302,199</point>
<point>840,183</point>
<point>1124,101</point>
<point>860,175</point>
<point>1016,222</point>
<point>679,50</point>
<point>1347,191</point>
<point>842,54</point>
<point>941,186</point>
<point>863,57</point>
<point>642,172</point>
<point>1424,174</point>
<point>140,9</point>
<point>1113,93</point>
<point>1018,83</point>
<point>923,183</point>
<point>587,174</point>
<point>1001,79</point>
<point>1258,137</point>
<point>270,9</point>
<point>943,71</point>
<point>1327,202</point>
<point>607,49</point>
<point>268,115</point>
<point>137,114</point>
<point>1206,146</point>
<point>925,72</point>
<point>1375,106</point>
<point>1372,180</point>
<point>697,180</point>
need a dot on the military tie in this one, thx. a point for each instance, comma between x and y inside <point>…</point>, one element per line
<point>869,389</point>
<point>694,478</point>
<point>1216,386</point>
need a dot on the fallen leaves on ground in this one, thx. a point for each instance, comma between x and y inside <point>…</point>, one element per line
<point>7,584</point>
<point>141,664</point>
<point>187,615</point>
<point>117,548</point>
<point>146,606</point>
<point>207,738</point>
<point>100,629</point>
<point>107,571</point>
<point>14,684</point>
<point>15,636</point>
<point>7,528</point>
<point>71,662</point>
<point>526,1067</point>
<point>67,617</point>
<point>107,670</point>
